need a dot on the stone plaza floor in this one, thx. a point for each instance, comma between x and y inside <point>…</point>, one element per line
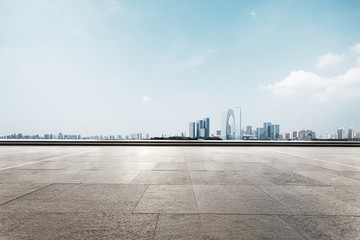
<point>89,192</point>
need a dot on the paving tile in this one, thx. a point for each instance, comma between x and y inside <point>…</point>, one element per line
<point>45,176</point>
<point>218,178</point>
<point>325,227</point>
<point>228,199</point>
<point>107,176</point>
<point>179,226</point>
<point>330,178</point>
<point>302,201</point>
<point>247,227</point>
<point>129,166</point>
<point>109,226</point>
<point>167,199</point>
<point>9,221</point>
<point>289,178</point>
<point>49,191</point>
<point>47,165</point>
<point>42,226</point>
<point>170,166</point>
<point>257,179</point>
<point>216,166</point>
<point>179,159</point>
<point>115,198</point>
<point>9,191</point>
<point>163,177</point>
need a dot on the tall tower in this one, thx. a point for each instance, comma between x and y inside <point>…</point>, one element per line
<point>231,124</point>
<point>351,133</point>
<point>192,129</point>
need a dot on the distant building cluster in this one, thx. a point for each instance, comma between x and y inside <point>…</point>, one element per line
<point>271,131</point>
<point>268,131</point>
<point>60,136</point>
<point>200,128</point>
<point>342,134</point>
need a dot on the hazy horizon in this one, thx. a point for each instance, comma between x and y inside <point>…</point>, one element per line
<point>118,67</point>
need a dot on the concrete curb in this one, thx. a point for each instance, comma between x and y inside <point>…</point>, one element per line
<point>165,143</point>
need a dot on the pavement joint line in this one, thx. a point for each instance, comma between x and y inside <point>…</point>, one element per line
<point>16,198</point>
<point>279,216</point>
<point>44,160</point>
<point>315,159</point>
<point>156,225</point>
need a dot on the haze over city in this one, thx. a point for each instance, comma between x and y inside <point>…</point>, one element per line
<point>120,67</point>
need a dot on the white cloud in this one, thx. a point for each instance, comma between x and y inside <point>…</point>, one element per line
<point>146,99</point>
<point>315,88</point>
<point>355,48</point>
<point>253,14</point>
<point>330,59</point>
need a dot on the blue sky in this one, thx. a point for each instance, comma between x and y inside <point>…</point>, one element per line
<point>116,67</point>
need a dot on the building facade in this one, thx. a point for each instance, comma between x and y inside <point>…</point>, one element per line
<point>192,129</point>
<point>231,124</point>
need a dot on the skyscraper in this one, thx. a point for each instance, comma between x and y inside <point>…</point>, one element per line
<point>274,131</point>
<point>267,129</point>
<point>207,126</point>
<point>351,133</point>
<point>192,129</point>
<point>199,125</point>
<point>260,133</point>
<point>341,133</point>
<point>231,124</point>
<point>248,130</point>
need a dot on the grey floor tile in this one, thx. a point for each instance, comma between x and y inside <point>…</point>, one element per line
<point>163,177</point>
<point>330,178</point>
<point>110,226</point>
<point>236,199</point>
<point>107,176</point>
<point>167,199</point>
<point>42,226</point>
<point>247,227</point>
<point>289,178</point>
<point>302,201</point>
<point>179,226</point>
<point>218,178</point>
<point>9,191</point>
<point>170,166</point>
<point>9,221</point>
<point>326,227</point>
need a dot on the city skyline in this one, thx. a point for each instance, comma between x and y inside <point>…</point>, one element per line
<point>110,66</point>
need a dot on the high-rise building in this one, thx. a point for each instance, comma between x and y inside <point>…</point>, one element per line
<point>260,133</point>
<point>218,133</point>
<point>288,136</point>
<point>274,131</point>
<point>231,124</point>
<point>294,135</point>
<point>302,134</point>
<point>351,133</point>
<point>267,129</point>
<point>199,125</point>
<point>358,134</point>
<point>207,126</point>
<point>192,129</point>
<point>341,133</point>
<point>249,130</point>
<point>200,129</point>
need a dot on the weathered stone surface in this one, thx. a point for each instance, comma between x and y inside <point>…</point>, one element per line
<point>179,226</point>
<point>179,193</point>
<point>167,199</point>
<point>247,227</point>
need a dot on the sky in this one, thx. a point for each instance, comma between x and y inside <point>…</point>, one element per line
<point>118,67</point>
